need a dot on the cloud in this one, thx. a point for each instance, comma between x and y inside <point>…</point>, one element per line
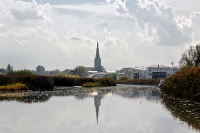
<point>3,28</point>
<point>102,27</point>
<point>79,37</point>
<point>23,42</point>
<point>27,11</point>
<point>195,18</point>
<point>155,19</point>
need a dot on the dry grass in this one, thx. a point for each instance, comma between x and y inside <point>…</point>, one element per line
<point>90,84</point>
<point>14,87</point>
<point>11,95</point>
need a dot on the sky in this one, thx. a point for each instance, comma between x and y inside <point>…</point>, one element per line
<point>62,34</point>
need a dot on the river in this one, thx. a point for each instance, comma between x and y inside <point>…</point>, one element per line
<point>121,109</point>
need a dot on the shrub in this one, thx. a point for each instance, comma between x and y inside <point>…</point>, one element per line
<point>184,84</point>
<point>123,78</point>
<point>106,82</point>
<point>185,67</point>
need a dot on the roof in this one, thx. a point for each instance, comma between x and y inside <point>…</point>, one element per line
<point>159,66</point>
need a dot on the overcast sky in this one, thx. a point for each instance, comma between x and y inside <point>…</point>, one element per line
<point>62,34</point>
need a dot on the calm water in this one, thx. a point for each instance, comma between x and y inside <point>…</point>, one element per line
<point>126,110</point>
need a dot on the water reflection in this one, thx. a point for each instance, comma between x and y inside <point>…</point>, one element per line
<point>97,103</point>
<point>184,110</point>
<point>79,93</point>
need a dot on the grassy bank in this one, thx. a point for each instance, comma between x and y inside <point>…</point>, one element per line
<point>139,81</point>
<point>184,84</point>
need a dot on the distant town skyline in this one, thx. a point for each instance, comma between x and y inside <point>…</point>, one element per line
<point>63,34</point>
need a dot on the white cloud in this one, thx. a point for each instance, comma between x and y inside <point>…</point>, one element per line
<point>156,20</point>
<point>23,42</point>
<point>3,28</point>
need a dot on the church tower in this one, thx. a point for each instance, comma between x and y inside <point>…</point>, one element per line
<point>97,60</point>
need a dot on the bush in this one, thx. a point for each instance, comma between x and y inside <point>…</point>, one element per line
<point>185,67</point>
<point>123,78</point>
<point>184,84</point>
<point>106,82</point>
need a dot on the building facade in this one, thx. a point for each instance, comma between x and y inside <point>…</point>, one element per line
<point>152,72</point>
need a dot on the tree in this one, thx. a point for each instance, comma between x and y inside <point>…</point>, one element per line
<point>62,74</point>
<point>9,68</point>
<point>112,76</point>
<point>188,57</point>
<point>81,71</point>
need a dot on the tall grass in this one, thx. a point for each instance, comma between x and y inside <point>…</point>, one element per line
<point>139,81</point>
<point>33,82</point>
<point>14,87</point>
<point>184,84</point>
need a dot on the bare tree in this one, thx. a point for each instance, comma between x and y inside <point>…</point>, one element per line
<point>188,57</point>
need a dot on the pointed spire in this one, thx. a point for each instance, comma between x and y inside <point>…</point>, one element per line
<point>97,51</point>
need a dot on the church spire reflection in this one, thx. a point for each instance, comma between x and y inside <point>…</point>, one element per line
<point>97,103</point>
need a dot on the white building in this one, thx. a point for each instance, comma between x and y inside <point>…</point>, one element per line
<point>152,72</point>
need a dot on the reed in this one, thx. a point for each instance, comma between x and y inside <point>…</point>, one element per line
<point>139,81</point>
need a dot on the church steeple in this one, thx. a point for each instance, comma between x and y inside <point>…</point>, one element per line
<point>97,51</point>
<point>97,60</point>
